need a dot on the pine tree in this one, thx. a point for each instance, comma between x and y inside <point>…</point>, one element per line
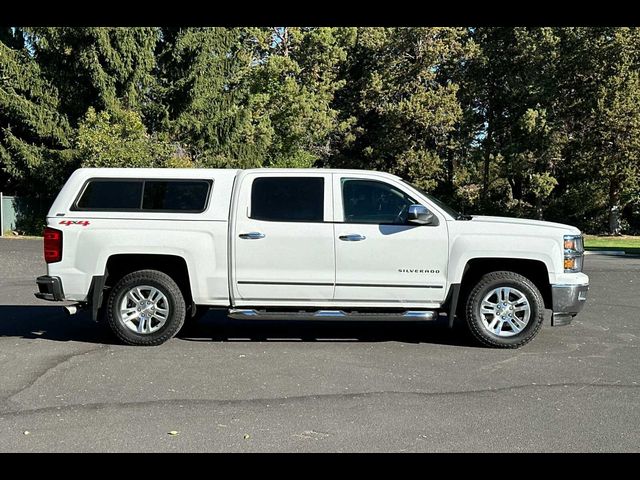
<point>400,102</point>
<point>291,87</point>
<point>35,139</point>
<point>601,107</point>
<point>101,67</point>
<point>511,104</point>
<point>199,88</point>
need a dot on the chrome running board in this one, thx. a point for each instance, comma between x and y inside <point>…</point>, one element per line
<point>409,315</point>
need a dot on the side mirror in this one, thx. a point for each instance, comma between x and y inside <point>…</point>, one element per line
<point>420,215</point>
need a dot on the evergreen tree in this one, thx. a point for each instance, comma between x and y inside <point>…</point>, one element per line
<point>602,108</point>
<point>400,103</point>
<point>35,139</point>
<point>101,67</point>
<point>512,104</point>
<point>200,94</point>
<point>529,121</point>
<point>290,92</point>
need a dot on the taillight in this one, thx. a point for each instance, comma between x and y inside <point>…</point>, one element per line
<point>52,245</point>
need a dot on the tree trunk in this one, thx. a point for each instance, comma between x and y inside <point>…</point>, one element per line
<point>539,208</point>
<point>615,208</point>
<point>487,162</point>
<point>285,41</point>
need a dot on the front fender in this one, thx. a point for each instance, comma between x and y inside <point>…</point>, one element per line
<point>465,248</point>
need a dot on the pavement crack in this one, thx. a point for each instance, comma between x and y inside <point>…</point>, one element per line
<point>305,398</point>
<point>58,362</point>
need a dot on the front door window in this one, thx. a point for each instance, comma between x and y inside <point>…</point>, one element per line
<point>369,201</point>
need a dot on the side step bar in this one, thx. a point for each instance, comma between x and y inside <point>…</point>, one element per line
<point>409,315</point>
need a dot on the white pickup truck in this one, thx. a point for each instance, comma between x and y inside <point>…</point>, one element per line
<point>148,249</point>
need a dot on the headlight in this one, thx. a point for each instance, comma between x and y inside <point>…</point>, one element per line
<point>573,253</point>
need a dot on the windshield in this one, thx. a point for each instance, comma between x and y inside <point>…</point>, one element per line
<point>455,214</point>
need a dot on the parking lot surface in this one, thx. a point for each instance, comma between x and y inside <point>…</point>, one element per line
<point>230,386</point>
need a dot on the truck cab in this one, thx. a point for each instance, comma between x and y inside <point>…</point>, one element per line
<point>147,249</point>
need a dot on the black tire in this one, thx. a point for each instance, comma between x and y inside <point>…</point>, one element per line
<point>165,284</point>
<point>495,280</point>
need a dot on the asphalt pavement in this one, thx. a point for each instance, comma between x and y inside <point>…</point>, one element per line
<point>66,385</point>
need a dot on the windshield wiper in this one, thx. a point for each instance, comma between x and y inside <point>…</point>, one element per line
<point>463,216</point>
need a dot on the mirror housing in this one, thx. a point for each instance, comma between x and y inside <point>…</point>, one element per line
<point>419,215</point>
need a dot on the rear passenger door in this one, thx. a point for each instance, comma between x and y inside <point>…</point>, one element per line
<point>283,239</point>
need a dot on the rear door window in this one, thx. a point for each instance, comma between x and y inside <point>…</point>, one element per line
<point>288,199</point>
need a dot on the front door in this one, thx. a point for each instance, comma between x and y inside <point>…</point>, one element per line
<point>283,239</point>
<point>380,258</point>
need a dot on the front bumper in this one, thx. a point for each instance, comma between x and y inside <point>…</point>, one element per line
<point>568,300</point>
<point>49,288</point>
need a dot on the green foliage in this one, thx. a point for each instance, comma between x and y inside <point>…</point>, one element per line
<point>119,139</point>
<point>529,121</point>
<point>102,67</point>
<point>290,90</point>
<point>31,215</point>
<point>34,136</point>
<point>200,100</point>
<point>603,109</point>
<point>397,102</point>
<point>542,184</point>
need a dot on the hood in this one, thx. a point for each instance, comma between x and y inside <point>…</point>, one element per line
<point>569,229</point>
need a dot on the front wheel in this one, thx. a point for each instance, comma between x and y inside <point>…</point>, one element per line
<point>146,308</point>
<point>504,310</point>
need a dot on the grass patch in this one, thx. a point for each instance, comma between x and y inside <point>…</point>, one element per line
<point>627,243</point>
<point>9,235</point>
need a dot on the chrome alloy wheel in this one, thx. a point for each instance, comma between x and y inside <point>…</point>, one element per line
<point>144,309</point>
<point>505,311</point>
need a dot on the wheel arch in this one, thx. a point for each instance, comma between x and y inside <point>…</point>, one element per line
<point>119,265</point>
<point>474,269</point>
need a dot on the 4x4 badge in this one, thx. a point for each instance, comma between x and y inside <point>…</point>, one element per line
<point>84,223</point>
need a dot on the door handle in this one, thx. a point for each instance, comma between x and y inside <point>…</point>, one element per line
<point>252,235</point>
<point>354,237</point>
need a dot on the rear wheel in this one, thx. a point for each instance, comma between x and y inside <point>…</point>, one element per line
<point>145,308</point>
<point>504,310</point>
